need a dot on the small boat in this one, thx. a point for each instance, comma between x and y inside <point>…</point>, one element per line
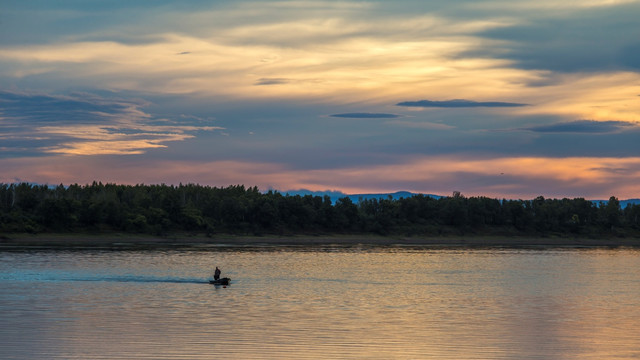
<point>222,281</point>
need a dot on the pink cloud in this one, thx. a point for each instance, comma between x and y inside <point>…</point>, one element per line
<point>592,178</point>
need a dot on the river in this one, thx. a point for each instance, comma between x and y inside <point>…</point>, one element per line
<point>354,302</point>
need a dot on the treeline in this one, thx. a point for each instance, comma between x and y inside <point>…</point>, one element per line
<point>165,209</point>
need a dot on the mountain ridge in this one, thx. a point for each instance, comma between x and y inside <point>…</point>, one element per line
<point>335,195</point>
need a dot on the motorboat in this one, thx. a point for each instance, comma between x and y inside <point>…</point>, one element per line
<point>221,281</point>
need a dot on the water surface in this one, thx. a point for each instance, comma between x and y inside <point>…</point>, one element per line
<point>318,303</point>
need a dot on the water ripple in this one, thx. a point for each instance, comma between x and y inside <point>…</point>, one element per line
<point>432,304</point>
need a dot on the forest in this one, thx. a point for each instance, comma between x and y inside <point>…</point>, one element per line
<point>163,210</point>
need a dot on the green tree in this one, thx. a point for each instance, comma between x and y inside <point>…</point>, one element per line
<point>612,213</point>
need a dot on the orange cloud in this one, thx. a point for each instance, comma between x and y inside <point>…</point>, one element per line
<point>610,96</point>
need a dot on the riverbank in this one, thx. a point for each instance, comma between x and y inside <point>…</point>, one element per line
<point>124,241</point>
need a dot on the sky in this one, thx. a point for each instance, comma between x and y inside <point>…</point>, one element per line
<point>499,98</point>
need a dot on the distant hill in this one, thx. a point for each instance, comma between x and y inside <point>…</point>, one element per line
<point>623,203</point>
<point>335,195</point>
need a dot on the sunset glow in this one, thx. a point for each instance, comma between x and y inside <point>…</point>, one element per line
<point>494,98</point>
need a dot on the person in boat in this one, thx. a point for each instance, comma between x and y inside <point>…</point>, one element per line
<point>216,274</point>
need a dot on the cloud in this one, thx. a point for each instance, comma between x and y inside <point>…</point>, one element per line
<point>44,109</point>
<point>458,103</point>
<point>266,69</point>
<point>85,124</point>
<point>598,38</point>
<point>272,81</point>
<point>359,115</point>
<point>310,49</point>
<point>421,125</point>
<point>630,56</point>
<point>582,126</point>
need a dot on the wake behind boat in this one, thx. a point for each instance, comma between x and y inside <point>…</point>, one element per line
<point>223,281</point>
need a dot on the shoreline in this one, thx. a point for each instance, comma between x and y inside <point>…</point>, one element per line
<point>127,241</point>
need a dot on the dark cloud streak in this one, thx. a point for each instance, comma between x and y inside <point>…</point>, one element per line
<point>582,126</point>
<point>271,81</point>
<point>458,103</point>
<point>366,116</point>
